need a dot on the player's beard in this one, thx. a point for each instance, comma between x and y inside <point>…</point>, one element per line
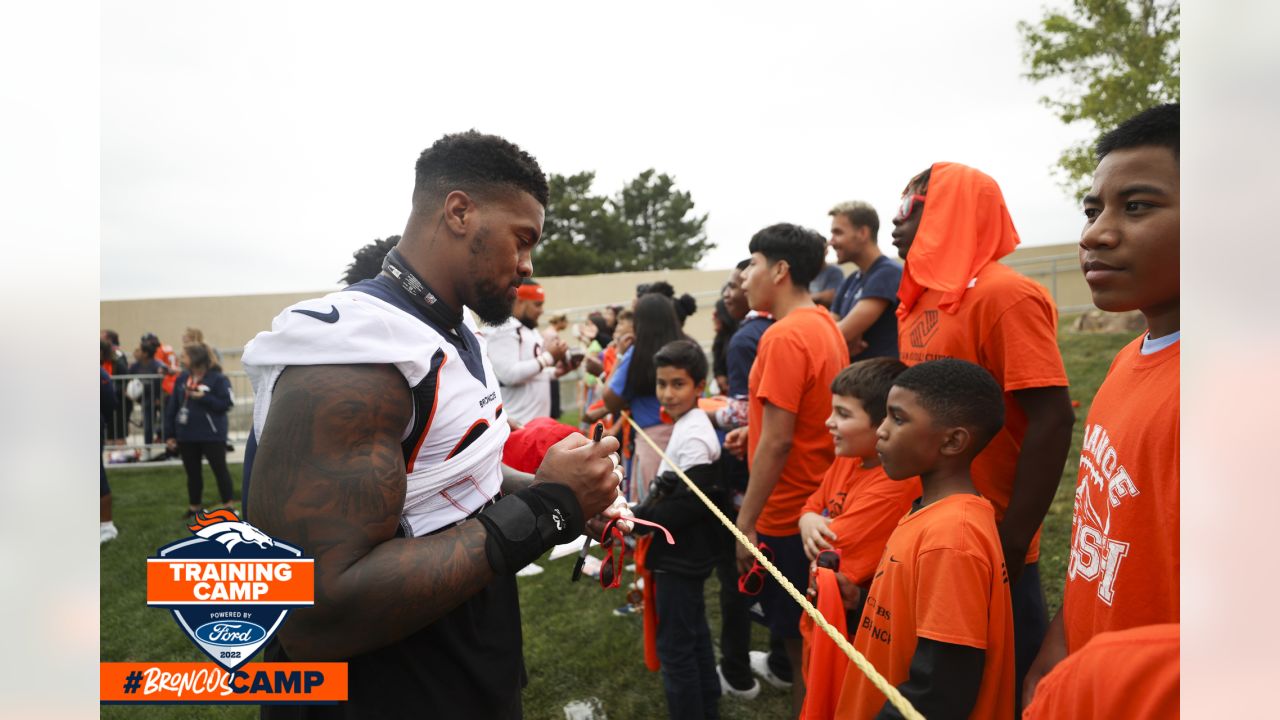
<point>491,303</point>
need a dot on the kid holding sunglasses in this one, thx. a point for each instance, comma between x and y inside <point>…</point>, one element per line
<point>679,570</point>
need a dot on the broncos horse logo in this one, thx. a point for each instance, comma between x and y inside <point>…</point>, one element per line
<point>223,526</point>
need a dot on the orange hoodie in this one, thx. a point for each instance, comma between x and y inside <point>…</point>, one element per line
<point>965,226</point>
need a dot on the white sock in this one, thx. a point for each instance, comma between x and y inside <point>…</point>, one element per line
<point>105,525</point>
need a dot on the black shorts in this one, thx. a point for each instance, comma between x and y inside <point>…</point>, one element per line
<point>781,611</point>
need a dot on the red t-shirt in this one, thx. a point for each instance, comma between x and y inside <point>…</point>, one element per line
<point>942,577</point>
<point>796,361</point>
<point>1123,570</point>
<point>1008,324</point>
<point>865,506</point>
<point>1131,674</point>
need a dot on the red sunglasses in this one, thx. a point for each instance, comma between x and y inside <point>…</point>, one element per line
<point>611,540</point>
<point>908,204</point>
<point>752,581</point>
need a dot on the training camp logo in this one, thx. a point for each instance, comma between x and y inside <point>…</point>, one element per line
<point>229,586</point>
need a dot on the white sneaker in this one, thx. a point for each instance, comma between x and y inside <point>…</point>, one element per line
<point>727,689</point>
<point>760,666</point>
<point>528,570</point>
<point>107,532</point>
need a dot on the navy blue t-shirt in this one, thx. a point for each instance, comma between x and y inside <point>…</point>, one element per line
<point>742,353</point>
<point>879,281</point>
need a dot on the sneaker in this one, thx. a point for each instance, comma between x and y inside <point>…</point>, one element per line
<point>530,569</point>
<point>629,609</point>
<point>107,532</point>
<point>731,691</point>
<point>760,666</point>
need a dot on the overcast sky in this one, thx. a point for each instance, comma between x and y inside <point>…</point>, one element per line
<point>251,147</point>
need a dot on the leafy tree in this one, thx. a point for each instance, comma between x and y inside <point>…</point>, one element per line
<point>656,216</point>
<point>1114,58</point>
<point>645,226</point>
<point>578,227</point>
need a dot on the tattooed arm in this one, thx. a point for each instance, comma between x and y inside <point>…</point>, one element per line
<point>329,477</point>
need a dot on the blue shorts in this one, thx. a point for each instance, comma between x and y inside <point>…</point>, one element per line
<point>781,611</point>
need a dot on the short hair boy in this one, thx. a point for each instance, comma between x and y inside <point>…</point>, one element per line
<point>853,513</point>
<point>938,622</point>
<point>857,506</point>
<point>1123,570</point>
<point>789,448</point>
<point>679,571</point>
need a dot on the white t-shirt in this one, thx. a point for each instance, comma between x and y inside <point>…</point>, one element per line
<point>526,385</point>
<point>693,442</point>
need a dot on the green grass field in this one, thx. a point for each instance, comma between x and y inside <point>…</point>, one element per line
<point>575,648</point>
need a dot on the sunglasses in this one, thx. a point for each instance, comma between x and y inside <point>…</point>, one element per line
<point>752,581</point>
<point>908,204</point>
<point>611,539</point>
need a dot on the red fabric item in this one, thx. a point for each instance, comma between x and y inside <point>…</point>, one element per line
<point>965,226</point>
<point>531,292</point>
<point>650,605</point>
<point>526,447</point>
<point>824,662</point>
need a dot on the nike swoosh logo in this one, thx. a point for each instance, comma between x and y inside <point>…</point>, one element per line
<point>894,559</point>
<point>329,317</point>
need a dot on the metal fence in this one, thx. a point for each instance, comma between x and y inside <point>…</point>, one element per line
<point>143,435</point>
<point>136,428</point>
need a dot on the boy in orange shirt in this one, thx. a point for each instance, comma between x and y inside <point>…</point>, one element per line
<point>937,622</point>
<point>788,446</point>
<point>1124,569</point>
<point>853,512</point>
<point>858,505</point>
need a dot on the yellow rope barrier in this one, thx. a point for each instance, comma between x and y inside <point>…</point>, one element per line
<point>895,698</point>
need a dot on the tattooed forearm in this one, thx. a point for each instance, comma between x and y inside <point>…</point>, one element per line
<point>329,477</point>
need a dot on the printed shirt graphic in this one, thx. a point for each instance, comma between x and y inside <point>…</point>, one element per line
<point>1123,570</point>
<point>941,577</point>
<point>1008,324</point>
<point>864,505</point>
<point>798,358</point>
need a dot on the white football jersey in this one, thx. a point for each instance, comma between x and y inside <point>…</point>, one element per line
<point>453,443</point>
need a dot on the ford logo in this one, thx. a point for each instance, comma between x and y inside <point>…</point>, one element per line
<point>231,633</point>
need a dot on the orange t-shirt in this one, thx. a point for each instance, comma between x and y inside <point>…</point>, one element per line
<point>165,354</point>
<point>1131,674</point>
<point>942,577</point>
<point>1123,570</point>
<point>865,506</point>
<point>796,361</point>
<point>1008,324</point>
